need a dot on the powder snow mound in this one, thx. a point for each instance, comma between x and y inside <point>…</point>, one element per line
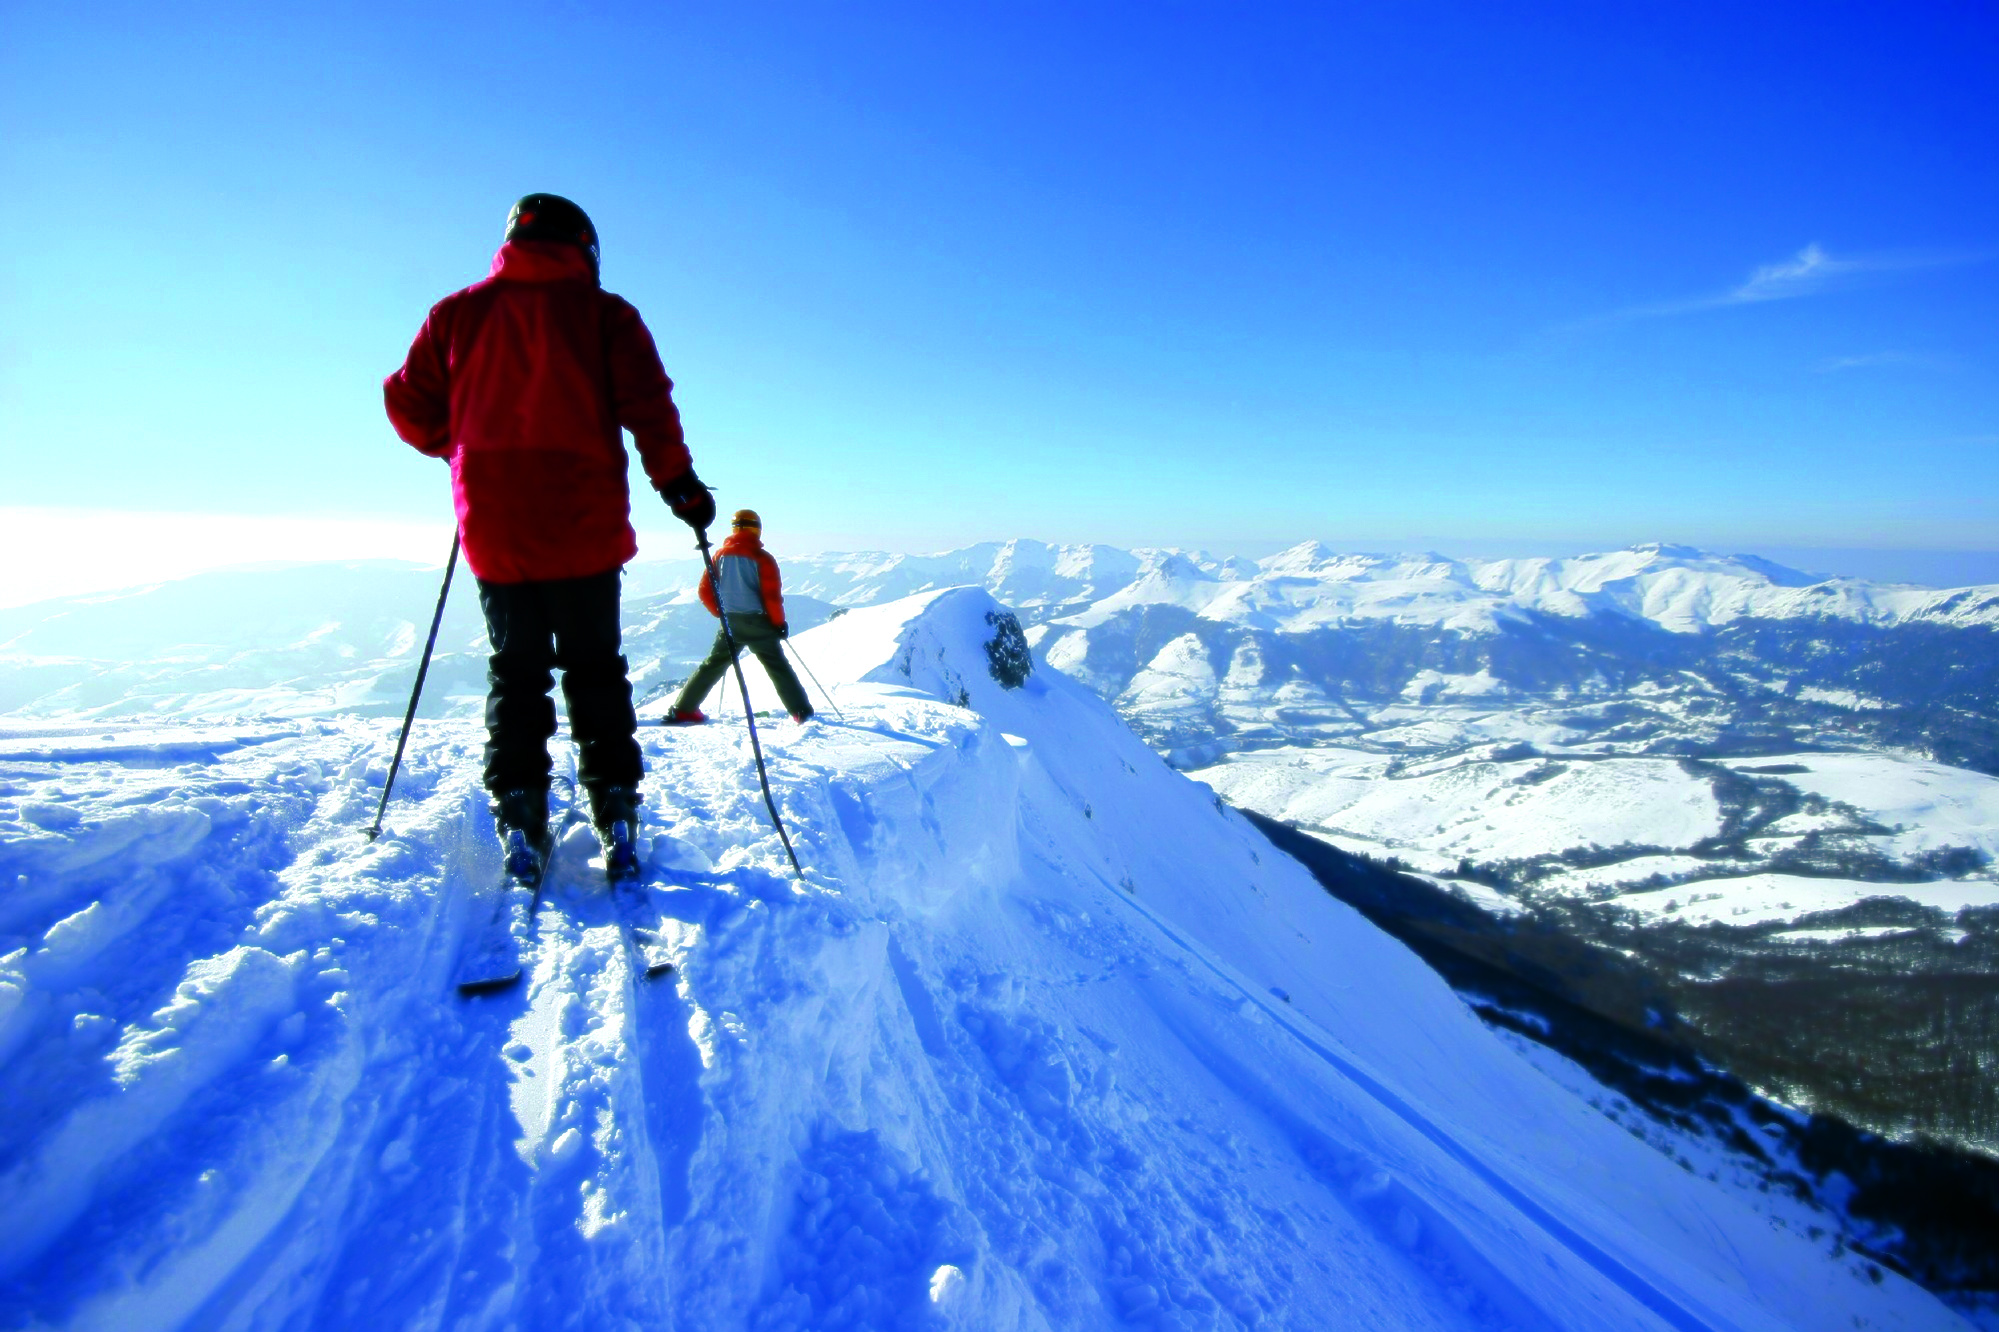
<point>1048,1038</point>
<point>945,644</point>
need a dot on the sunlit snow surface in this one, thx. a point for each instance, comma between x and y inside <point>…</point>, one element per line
<point>1432,813</point>
<point>1048,1039</point>
<point>1923,806</point>
<point>1460,806</point>
<point>1756,899</point>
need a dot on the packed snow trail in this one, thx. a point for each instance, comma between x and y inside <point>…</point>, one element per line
<point>1047,1039</point>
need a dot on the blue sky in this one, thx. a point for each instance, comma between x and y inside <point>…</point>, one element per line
<point>1213,274</point>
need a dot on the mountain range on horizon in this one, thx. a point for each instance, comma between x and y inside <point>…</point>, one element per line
<point>1201,654</point>
<point>1679,586</point>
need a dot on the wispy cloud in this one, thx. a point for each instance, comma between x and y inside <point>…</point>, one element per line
<point>1873,360</point>
<point>1809,272</point>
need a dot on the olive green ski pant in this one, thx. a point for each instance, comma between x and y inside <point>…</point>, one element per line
<point>759,635</point>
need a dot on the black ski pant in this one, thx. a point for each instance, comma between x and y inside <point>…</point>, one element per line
<point>759,635</point>
<point>570,623</point>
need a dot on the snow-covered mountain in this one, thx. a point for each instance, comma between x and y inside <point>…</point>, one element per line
<point>1047,1038</point>
<point>1678,588</point>
<point>1038,580</point>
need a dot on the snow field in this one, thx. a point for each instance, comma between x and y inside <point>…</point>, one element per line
<point>1595,881</point>
<point>1465,807</point>
<point>1431,813</point>
<point>1758,899</point>
<point>1926,806</point>
<point>1047,1039</point>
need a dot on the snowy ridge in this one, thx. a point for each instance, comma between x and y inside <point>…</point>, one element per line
<point>1049,1039</point>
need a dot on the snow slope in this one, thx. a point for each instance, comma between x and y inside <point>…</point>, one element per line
<point>1048,1039</point>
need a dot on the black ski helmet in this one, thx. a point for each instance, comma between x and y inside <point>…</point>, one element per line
<point>550,217</point>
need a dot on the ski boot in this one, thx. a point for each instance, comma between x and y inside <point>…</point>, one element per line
<point>684,717</point>
<point>521,816</point>
<point>615,812</point>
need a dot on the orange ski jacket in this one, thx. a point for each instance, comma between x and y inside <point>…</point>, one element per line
<point>749,580</point>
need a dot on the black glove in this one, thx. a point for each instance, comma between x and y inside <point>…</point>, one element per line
<point>784,631</point>
<point>691,501</point>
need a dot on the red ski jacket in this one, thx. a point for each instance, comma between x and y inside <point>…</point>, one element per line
<point>523,381</point>
<point>749,579</point>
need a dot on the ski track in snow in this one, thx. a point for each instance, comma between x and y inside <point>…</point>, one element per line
<point>1046,1040</point>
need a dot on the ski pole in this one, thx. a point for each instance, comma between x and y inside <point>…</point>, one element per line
<point>749,713</point>
<point>815,679</point>
<point>423,669</point>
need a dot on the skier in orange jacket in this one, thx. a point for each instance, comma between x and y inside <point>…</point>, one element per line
<point>753,598</point>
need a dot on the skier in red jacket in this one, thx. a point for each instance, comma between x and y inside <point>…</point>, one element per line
<point>754,599</point>
<point>523,382</point>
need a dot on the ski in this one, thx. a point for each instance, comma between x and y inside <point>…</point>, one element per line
<point>640,921</point>
<point>493,961</point>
